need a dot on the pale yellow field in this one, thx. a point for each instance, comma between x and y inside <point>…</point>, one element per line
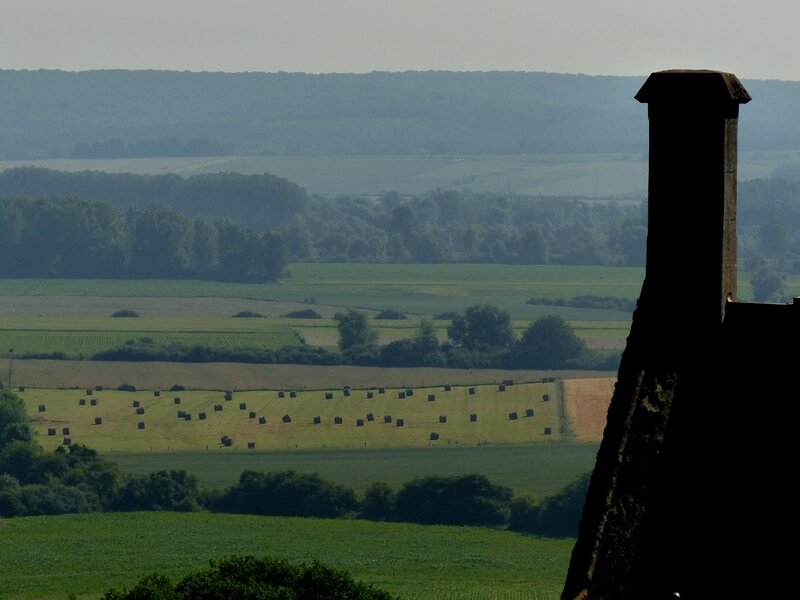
<point>119,430</point>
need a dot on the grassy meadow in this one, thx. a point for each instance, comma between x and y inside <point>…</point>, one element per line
<point>47,558</point>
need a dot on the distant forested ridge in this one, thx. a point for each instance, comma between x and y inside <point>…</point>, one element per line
<point>113,113</point>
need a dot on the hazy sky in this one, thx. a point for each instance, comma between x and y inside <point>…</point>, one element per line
<point>753,39</point>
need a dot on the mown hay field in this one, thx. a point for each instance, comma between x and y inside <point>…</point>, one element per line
<point>47,558</point>
<point>194,420</point>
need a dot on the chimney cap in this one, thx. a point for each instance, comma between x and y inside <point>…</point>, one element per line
<point>681,85</point>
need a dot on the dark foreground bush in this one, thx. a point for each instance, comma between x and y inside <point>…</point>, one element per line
<point>240,577</point>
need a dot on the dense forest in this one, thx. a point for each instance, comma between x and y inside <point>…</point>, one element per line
<point>246,227</point>
<point>113,113</point>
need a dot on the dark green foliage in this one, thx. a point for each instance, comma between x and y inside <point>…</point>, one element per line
<point>126,387</point>
<point>14,424</point>
<point>153,243</point>
<point>481,326</point>
<point>588,301</point>
<point>378,501</point>
<point>306,313</point>
<point>548,343</point>
<point>163,490</point>
<point>177,388</point>
<point>354,329</point>
<point>556,516</point>
<point>125,313</point>
<point>250,578</point>
<point>248,314</point>
<point>456,500</point>
<point>390,314</point>
<point>287,493</point>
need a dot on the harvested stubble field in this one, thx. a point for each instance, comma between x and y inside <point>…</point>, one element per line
<point>152,421</point>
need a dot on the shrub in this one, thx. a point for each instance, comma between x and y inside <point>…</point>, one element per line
<point>126,387</point>
<point>125,313</point>
<point>247,314</point>
<point>307,313</point>
<point>390,314</point>
<point>177,388</point>
<point>252,578</point>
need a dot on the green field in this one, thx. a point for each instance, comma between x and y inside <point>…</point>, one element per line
<point>74,316</point>
<point>564,174</point>
<point>539,469</point>
<point>47,558</point>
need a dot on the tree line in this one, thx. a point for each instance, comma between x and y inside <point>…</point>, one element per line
<point>75,479</point>
<point>442,226</point>
<point>73,238</point>
<point>480,338</point>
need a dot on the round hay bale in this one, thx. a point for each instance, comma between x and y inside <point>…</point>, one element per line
<point>66,442</point>
<point>218,408</point>
<point>281,394</point>
<point>387,418</point>
<point>400,422</point>
<point>473,417</point>
<point>548,430</point>
<point>401,395</point>
<point>140,424</point>
<point>251,445</point>
<point>187,417</point>
<point>328,395</point>
<point>42,408</point>
<point>431,397</point>
<point>434,436</point>
<point>262,420</point>
<point>252,414</point>
<point>501,388</point>
<point>409,392</point>
<point>21,388</point>
<point>242,406</point>
<point>381,390</point>
<point>472,391</point>
<point>370,417</point>
<point>346,391</point>
<point>359,422</point>
<point>292,394</point>
<point>51,431</point>
<point>337,420</point>
<point>442,418</point>
<point>98,421</point>
<point>317,420</point>
<point>287,419</point>
<point>88,391</point>
<point>369,395</point>
<point>447,387</point>
<point>528,412</point>
<point>228,442</point>
<point>98,388</point>
<point>136,404</point>
<point>229,395</point>
<point>202,416</point>
<point>140,411</point>
<point>82,402</point>
<point>181,414</point>
<point>177,399</point>
<point>65,430</point>
<point>545,397</point>
<point>156,393</point>
<point>93,401</point>
<point>513,416</point>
